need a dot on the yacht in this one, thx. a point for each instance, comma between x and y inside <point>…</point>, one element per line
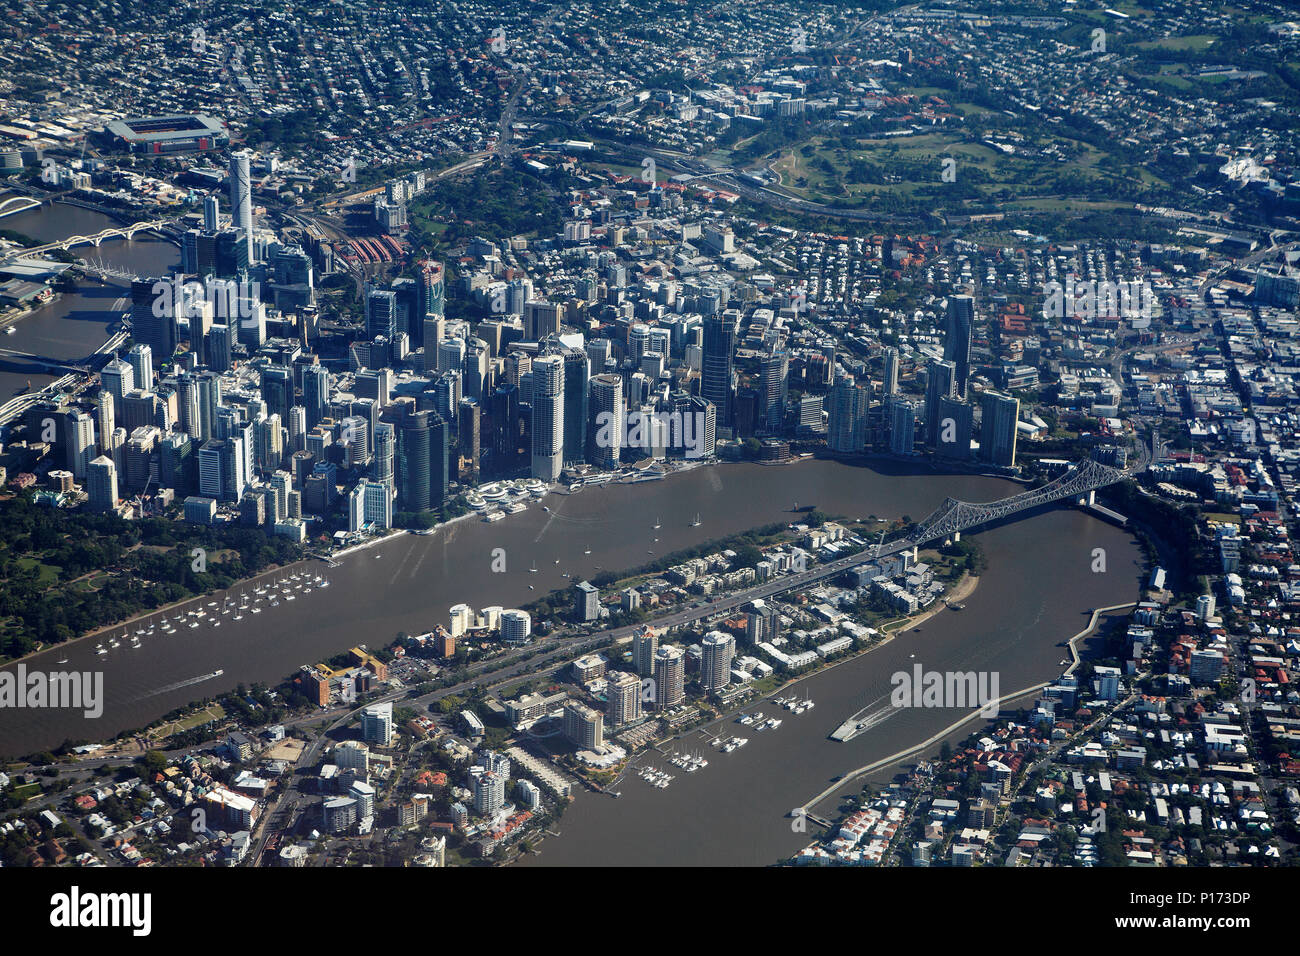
<point>696,522</point>
<point>656,524</point>
<point>64,661</point>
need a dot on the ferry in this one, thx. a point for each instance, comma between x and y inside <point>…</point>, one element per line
<point>515,508</point>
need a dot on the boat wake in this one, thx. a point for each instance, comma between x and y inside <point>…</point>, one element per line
<point>183,683</point>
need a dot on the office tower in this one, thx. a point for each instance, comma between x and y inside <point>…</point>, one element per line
<point>211,216</point>
<point>187,403</point>
<point>220,356</point>
<point>645,645</point>
<point>139,449</point>
<point>413,463</point>
<point>638,342</point>
<point>998,429</point>
<point>847,428</point>
<point>369,504</point>
<point>434,326</point>
<point>104,421</point>
<point>692,426</point>
<point>939,384</point>
<point>890,385</point>
<point>431,301</point>
<point>955,428</point>
<point>385,455</point>
<point>451,355</point>
<point>177,466</point>
<point>469,437</point>
<point>277,390</point>
<point>773,372</point>
<point>956,342</point>
<point>670,677</point>
<point>719,353</point>
<point>584,726</point>
<point>81,444</point>
<point>381,314</point>
<point>293,281</point>
<point>715,663</point>
<point>622,698</point>
<point>474,369</point>
<point>607,417</point>
<point>902,427</point>
<point>354,437</point>
<point>153,320</point>
<point>315,393</point>
<point>377,724</point>
<point>269,443</point>
<point>140,358</point>
<point>542,318</point>
<point>241,200</point>
<point>548,417</point>
<point>101,484</point>
<point>505,426</point>
<point>280,487</point>
<point>576,398</point>
<point>598,353</point>
<point>117,378</point>
<point>250,329</point>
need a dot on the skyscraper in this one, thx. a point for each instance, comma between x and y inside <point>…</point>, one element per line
<point>141,359</point>
<point>622,698</point>
<point>153,321</point>
<point>645,645</point>
<point>315,393</point>
<point>956,342</point>
<point>101,484</point>
<point>890,384</point>
<point>719,355</point>
<point>773,371</point>
<point>999,415</point>
<point>715,663</point>
<point>548,417</point>
<point>670,677</point>
<point>847,428</point>
<point>241,199</point>
<point>118,379</point>
<point>902,427</point>
<point>939,385</point>
<point>955,429</point>
<point>413,463</point>
<point>576,397</point>
<point>607,417</point>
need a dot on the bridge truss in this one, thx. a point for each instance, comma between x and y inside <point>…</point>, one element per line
<point>953,516</point>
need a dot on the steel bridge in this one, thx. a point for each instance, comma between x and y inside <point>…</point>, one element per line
<point>128,232</point>
<point>953,516</point>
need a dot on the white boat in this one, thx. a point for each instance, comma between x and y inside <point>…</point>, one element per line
<point>257,610</point>
<point>64,661</point>
<point>696,522</point>
<point>102,650</point>
<point>194,623</point>
<point>656,524</point>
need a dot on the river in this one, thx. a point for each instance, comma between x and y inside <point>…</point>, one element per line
<point>76,324</point>
<point>1037,592</point>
